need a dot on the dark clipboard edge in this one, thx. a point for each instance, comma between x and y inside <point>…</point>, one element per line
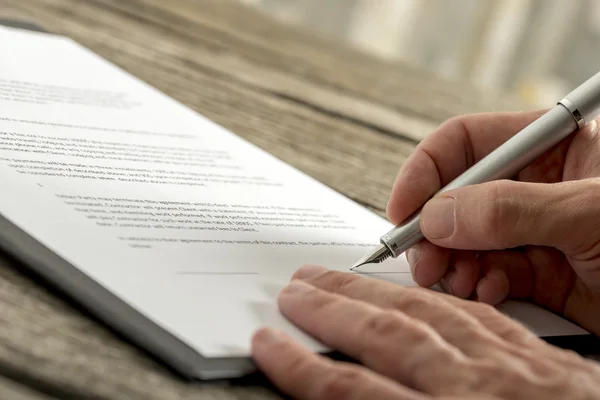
<point>128,323</point>
<point>93,300</point>
<point>114,312</point>
<point>28,26</point>
<point>98,302</point>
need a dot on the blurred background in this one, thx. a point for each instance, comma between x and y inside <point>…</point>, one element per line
<point>535,49</point>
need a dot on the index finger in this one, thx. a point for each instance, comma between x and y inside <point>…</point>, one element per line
<point>450,150</point>
<point>305,375</point>
<point>413,302</point>
<point>386,341</point>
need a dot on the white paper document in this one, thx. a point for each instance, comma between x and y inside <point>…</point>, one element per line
<point>192,226</point>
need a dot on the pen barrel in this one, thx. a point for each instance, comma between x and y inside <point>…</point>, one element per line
<point>520,150</point>
<point>585,99</point>
<point>503,163</point>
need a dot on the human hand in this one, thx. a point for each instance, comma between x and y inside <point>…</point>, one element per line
<point>415,344</point>
<point>535,238</point>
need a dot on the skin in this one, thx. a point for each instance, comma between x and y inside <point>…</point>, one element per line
<point>412,344</point>
<point>536,238</point>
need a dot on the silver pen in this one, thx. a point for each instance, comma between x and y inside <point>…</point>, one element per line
<point>570,114</point>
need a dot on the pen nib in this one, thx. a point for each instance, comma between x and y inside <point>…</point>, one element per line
<point>376,256</point>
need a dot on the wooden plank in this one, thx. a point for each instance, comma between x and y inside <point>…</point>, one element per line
<point>345,119</point>
<point>210,26</point>
<point>218,23</point>
<point>216,57</point>
<point>356,159</point>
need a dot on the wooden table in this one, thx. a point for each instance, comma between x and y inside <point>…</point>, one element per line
<point>344,118</point>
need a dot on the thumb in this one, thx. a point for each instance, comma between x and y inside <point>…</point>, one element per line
<point>507,214</point>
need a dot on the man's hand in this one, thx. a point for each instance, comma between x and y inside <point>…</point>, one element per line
<point>533,238</point>
<point>415,344</point>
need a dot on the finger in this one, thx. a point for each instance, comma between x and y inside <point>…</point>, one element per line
<point>306,375</point>
<point>553,279</point>
<point>447,152</point>
<point>540,274</point>
<point>428,263</point>
<point>388,295</point>
<point>505,274</point>
<point>461,279</point>
<point>507,214</point>
<point>387,341</point>
<point>516,266</point>
<point>493,287</point>
<point>492,277</point>
<point>583,159</point>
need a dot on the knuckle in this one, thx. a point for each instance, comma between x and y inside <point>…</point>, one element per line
<point>340,383</point>
<point>337,281</point>
<point>414,299</point>
<point>485,309</point>
<point>460,324</point>
<point>505,328</point>
<point>495,379</point>
<point>456,122</point>
<point>322,302</point>
<point>420,333</point>
<point>499,215</point>
<point>515,334</point>
<point>488,372</point>
<point>447,363</point>
<point>297,366</point>
<point>381,324</point>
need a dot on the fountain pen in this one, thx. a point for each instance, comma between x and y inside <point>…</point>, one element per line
<point>569,115</point>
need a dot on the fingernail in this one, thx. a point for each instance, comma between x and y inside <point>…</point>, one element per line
<point>438,218</point>
<point>478,289</point>
<point>296,288</point>
<point>447,282</point>
<point>308,271</point>
<point>268,337</point>
<point>412,256</point>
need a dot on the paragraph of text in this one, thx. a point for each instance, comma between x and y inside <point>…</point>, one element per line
<point>134,175</point>
<point>36,93</point>
<point>151,215</point>
<point>101,150</point>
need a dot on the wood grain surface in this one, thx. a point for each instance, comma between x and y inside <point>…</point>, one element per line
<point>342,117</point>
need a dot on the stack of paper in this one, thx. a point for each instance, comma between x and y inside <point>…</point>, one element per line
<point>164,224</point>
